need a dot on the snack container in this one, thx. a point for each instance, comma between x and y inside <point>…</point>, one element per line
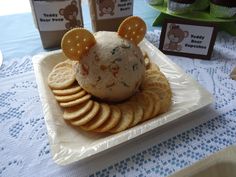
<point>180,6</point>
<point>107,15</point>
<point>223,8</point>
<point>53,18</point>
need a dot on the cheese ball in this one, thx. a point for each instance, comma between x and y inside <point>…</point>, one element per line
<point>113,68</point>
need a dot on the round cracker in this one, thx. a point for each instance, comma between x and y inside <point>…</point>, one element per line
<point>127,116</point>
<point>86,117</point>
<point>68,91</point>
<point>138,113</point>
<point>151,72</point>
<point>165,98</point>
<point>78,101</point>
<point>77,111</point>
<point>112,121</point>
<point>153,84</point>
<point>153,66</point>
<point>99,119</point>
<point>77,42</point>
<point>157,102</point>
<point>61,78</point>
<point>146,103</point>
<point>66,63</point>
<point>133,29</point>
<point>165,95</point>
<point>67,98</point>
<point>159,84</point>
<point>153,80</point>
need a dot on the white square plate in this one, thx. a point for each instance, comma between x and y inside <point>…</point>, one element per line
<point>69,144</point>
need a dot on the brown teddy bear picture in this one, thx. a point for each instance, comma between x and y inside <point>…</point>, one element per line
<point>70,13</point>
<point>176,35</point>
<point>106,7</point>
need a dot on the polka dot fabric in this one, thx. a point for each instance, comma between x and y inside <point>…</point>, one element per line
<point>25,149</point>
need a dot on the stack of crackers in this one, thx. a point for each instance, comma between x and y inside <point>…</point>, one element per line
<point>90,114</point>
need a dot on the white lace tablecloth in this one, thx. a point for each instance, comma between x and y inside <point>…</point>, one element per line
<point>24,147</point>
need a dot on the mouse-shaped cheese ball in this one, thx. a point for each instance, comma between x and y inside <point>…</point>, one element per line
<point>109,65</point>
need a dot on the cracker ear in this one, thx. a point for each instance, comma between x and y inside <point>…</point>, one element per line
<point>133,29</point>
<point>76,43</point>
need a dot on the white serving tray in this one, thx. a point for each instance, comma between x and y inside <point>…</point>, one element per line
<point>69,144</point>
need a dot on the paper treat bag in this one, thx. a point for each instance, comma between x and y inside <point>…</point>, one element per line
<point>106,15</point>
<point>54,17</point>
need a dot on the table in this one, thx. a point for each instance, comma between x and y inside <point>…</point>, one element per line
<point>24,147</point>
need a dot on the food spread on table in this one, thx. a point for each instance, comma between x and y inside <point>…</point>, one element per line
<point>108,84</point>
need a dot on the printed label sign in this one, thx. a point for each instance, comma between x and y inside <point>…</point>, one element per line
<point>57,15</point>
<point>107,9</point>
<point>187,38</point>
